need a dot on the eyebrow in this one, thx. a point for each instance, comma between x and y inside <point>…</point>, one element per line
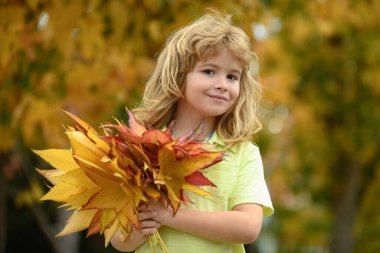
<point>233,70</point>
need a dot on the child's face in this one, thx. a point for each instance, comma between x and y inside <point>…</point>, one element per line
<point>213,86</point>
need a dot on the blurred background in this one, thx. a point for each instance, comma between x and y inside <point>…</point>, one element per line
<point>319,64</point>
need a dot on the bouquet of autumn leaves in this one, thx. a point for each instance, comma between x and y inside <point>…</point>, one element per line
<point>105,178</point>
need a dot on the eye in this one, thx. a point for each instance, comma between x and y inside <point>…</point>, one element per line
<point>233,77</point>
<point>209,71</point>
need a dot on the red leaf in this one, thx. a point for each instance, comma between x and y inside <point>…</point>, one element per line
<point>197,178</point>
<point>134,125</point>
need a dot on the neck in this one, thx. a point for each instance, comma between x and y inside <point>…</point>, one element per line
<point>185,124</point>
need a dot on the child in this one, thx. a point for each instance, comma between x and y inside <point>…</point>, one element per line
<point>203,75</point>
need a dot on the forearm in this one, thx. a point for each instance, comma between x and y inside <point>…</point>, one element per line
<point>238,226</point>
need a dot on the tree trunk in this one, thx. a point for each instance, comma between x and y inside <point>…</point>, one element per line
<point>45,227</point>
<point>342,237</point>
<point>3,207</point>
<point>68,243</point>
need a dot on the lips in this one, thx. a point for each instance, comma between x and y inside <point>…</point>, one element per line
<point>219,97</point>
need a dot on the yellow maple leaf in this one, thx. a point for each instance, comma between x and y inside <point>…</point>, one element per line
<point>79,220</point>
<point>60,159</point>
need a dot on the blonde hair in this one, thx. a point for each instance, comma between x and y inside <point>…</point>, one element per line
<point>201,39</point>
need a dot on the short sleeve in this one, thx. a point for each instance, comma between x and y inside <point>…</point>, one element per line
<point>250,185</point>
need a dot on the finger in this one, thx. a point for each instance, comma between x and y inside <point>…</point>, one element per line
<point>147,215</point>
<point>149,224</point>
<point>148,231</point>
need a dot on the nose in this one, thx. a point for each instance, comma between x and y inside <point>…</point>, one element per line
<point>221,83</point>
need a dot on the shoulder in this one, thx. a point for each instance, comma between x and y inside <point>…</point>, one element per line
<point>243,147</point>
<point>246,148</point>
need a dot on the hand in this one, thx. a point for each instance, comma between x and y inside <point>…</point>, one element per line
<point>147,223</point>
<point>159,211</point>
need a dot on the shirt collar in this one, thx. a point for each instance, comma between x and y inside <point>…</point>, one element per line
<point>219,143</point>
<point>215,140</point>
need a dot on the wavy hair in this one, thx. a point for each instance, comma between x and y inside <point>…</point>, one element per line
<point>185,47</point>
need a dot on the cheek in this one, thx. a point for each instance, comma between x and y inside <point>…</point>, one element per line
<point>189,83</point>
<point>235,92</point>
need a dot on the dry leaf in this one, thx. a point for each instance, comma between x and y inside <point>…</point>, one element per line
<point>105,178</point>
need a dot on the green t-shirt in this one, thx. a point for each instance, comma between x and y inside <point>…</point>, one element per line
<point>239,179</point>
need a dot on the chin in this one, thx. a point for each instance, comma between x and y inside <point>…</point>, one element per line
<point>213,113</point>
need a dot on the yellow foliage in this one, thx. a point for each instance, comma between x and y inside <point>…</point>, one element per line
<point>30,196</point>
<point>88,57</point>
<point>105,178</point>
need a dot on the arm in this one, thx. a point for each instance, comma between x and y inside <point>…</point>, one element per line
<point>147,227</point>
<point>241,225</point>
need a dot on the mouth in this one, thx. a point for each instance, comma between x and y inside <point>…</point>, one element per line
<point>218,97</point>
